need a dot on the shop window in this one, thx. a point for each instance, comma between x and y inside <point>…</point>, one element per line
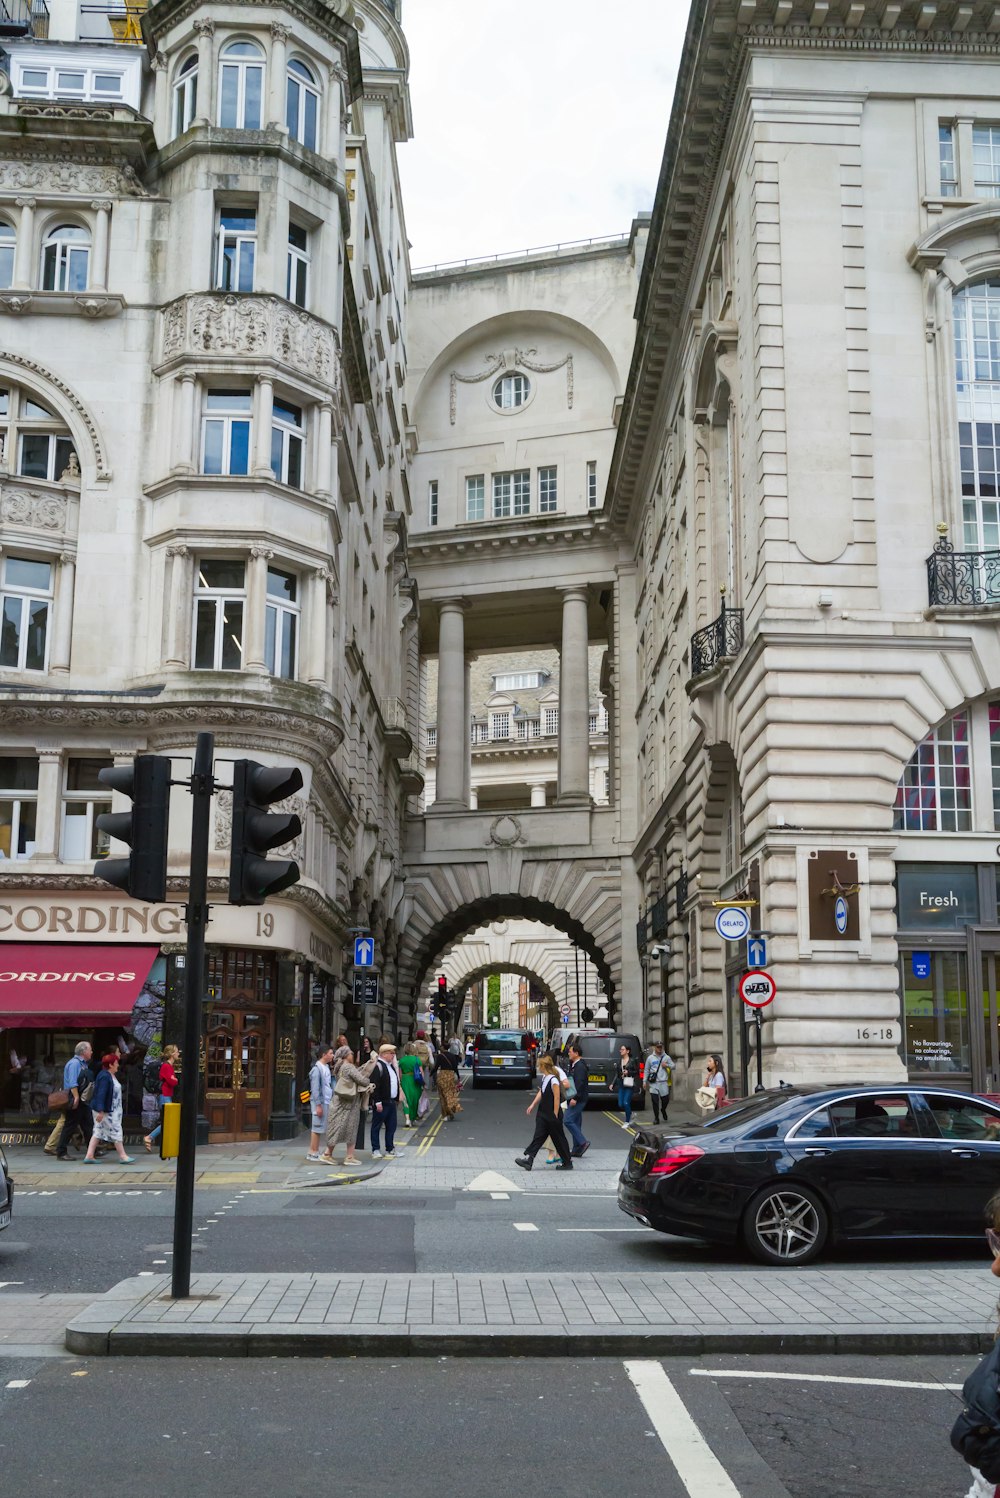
<point>26,604</point>
<point>220,599</point>
<point>282,623</point>
<point>241,86</point>
<point>186,95</point>
<point>66,258</point>
<point>302,104</point>
<point>935,1012</point>
<point>18,805</point>
<point>83,801</point>
<point>934,794</point>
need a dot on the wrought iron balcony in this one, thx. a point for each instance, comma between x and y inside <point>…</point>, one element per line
<point>717,642</point>
<point>962,579</point>
<point>24,18</point>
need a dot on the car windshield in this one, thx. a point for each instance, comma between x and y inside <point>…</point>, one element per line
<point>500,1040</point>
<point>604,1047</point>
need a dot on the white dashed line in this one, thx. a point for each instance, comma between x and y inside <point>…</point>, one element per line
<point>500,1196</point>
<point>697,1466</point>
<point>526,1227</point>
<point>18,1383</point>
<point>820,1378</point>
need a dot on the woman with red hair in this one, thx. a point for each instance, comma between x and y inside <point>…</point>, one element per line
<point>107,1106</point>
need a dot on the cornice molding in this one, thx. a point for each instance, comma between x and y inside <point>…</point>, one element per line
<point>509,536</point>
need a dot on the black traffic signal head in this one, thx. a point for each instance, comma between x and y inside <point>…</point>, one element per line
<point>442,987</point>
<point>252,877</point>
<point>144,828</point>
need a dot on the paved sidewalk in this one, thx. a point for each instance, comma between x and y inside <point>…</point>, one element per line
<point>806,1311</point>
<point>34,1325</point>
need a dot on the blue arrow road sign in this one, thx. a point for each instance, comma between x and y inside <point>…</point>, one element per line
<point>756,951</point>
<point>364,951</point>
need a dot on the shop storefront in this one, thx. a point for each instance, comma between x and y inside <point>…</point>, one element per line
<point>949,964</point>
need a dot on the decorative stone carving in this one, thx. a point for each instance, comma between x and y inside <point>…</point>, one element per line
<point>82,179</point>
<point>223,323</point>
<point>45,512</point>
<point>222,836</point>
<point>505,831</point>
<point>496,363</point>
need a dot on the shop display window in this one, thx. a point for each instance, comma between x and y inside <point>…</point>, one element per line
<point>935,1012</point>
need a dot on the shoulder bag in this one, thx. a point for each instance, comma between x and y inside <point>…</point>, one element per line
<point>345,1087</point>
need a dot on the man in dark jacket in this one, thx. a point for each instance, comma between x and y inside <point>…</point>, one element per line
<point>573,1117</point>
<point>385,1100</point>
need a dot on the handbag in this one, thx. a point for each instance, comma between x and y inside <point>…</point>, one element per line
<point>345,1087</point>
<point>569,1090</point>
<point>418,1075</point>
<point>705,1098</point>
<point>628,1081</point>
<point>422,1106</point>
<point>58,1099</point>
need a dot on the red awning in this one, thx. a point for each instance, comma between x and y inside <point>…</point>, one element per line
<point>48,986</point>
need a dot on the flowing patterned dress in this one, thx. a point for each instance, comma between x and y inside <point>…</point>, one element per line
<point>344,1112</point>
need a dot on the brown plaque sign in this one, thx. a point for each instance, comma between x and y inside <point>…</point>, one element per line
<point>832,871</point>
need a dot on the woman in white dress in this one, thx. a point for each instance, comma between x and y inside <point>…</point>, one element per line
<point>107,1106</point>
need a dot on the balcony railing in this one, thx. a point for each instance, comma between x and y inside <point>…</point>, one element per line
<point>717,642</point>
<point>962,579</point>
<point>24,18</point>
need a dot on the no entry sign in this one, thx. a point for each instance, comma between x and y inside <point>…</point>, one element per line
<point>757,988</point>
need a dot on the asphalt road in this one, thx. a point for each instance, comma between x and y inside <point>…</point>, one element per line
<point>585,1426</point>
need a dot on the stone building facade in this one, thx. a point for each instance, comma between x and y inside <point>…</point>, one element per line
<point>203,503</point>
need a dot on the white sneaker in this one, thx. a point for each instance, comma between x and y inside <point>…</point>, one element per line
<point>311,1156</point>
<point>376,1154</point>
<point>390,1154</point>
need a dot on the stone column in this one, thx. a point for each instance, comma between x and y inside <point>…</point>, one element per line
<point>324,451</point>
<point>452,719</point>
<point>538,792</point>
<point>315,668</point>
<point>261,462</point>
<point>62,624</point>
<point>205,107</point>
<point>473,800</point>
<point>467,758</point>
<point>177,608</point>
<point>184,425</point>
<point>24,250</point>
<point>99,253</point>
<point>275,112</point>
<point>256,605</point>
<point>574,740</point>
<point>47,815</point>
<point>161,99</point>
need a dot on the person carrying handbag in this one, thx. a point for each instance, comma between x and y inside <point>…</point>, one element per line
<point>350,1089</point>
<point>628,1076</point>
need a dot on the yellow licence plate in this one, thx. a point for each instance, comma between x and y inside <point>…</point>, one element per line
<point>498,1061</point>
<point>595,1079</point>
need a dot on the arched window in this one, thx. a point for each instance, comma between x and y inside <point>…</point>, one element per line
<point>935,791</point>
<point>976,312</point>
<point>8,241</point>
<point>302,104</point>
<point>66,258</point>
<point>241,86</point>
<point>186,94</point>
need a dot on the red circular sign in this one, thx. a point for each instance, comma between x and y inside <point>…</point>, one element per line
<point>757,988</point>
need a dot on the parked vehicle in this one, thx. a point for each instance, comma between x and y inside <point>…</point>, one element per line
<point>504,1058</point>
<point>601,1050</point>
<point>6,1192</point>
<point>789,1172</point>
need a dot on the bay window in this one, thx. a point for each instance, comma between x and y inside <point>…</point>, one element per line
<point>18,805</point>
<point>219,605</point>
<point>225,441</point>
<point>84,799</point>
<point>302,104</point>
<point>25,613</point>
<point>287,444</point>
<point>237,249</point>
<point>241,86</point>
<point>281,630</point>
<point>186,95</point>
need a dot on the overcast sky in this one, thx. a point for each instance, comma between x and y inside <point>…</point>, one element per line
<point>535,121</point>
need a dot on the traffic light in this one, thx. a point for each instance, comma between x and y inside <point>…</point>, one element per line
<point>442,991</point>
<point>252,877</point>
<point>144,828</point>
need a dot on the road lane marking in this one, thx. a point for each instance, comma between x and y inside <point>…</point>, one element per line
<point>697,1466</point>
<point>492,1181</point>
<point>18,1383</point>
<point>526,1227</point>
<point>498,1196</point>
<point>821,1378</point>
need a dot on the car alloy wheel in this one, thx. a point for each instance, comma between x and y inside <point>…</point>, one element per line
<point>786,1225</point>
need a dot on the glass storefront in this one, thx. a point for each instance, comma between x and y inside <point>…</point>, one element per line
<point>935,1012</point>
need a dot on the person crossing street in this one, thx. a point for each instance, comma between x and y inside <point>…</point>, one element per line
<point>573,1116</point>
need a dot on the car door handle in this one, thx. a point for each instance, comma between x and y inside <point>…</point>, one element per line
<point>966,1154</point>
<point>819,1152</point>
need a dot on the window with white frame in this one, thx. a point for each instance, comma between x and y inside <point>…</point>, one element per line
<point>92,84</point>
<point>986,160</point>
<point>288,444</point>
<point>18,804</point>
<point>432,738</point>
<point>236,237</point>
<point>548,492</point>
<point>607,785</point>
<point>297,279</point>
<point>947,161</point>
<point>511,494</point>
<point>432,502</point>
<point>66,258</point>
<point>591,486</point>
<point>8,244</point>
<point>976,316</point>
<point>513,681</point>
<point>43,445</point>
<point>475,497</point>
<point>500,725</point>
<point>480,732</point>
<point>225,432</point>
<point>25,613</point>
<point>219,605</point>
<point>528,728</point>
<point>84,799</point>
<point>281,633</point>
<point>935,790</point>
<point>511,391</point>
<point>550,721</point>
<point>241,86</point>
<point>302,104</point>
<point>186,94</point>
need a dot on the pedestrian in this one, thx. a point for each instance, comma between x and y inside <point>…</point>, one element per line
<point>388,1089</point>
<point>366,1051</point>
<point>455,1048</point>
<point>79,1083</point>
<point>350,1088</point>
<point>551,1154</point>
<point>573,1117</point>
<point>446,1076</point>
<point>320,1097</point>
<point>169,1081</point>
<point>975,1434</point>
<point>548,1124</point>
<point>715,1078</point>
<point>659,1078</point>
<point>412,1074</point>
<point>628,1072</point>
<point>426,1055</point>
<point>107,1107</point>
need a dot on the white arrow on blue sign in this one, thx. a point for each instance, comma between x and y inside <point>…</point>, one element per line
<point>756,951</point>
<point>364,951</point>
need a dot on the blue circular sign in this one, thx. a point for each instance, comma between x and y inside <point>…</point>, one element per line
<point>840,914</point>
<point>732,923</point>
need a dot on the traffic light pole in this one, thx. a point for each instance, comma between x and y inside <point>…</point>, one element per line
<point>202,787</point>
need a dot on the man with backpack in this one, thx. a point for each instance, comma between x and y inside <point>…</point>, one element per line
<point>659,1078</point>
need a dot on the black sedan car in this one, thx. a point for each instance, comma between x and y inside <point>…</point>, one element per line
<point>6,1192</point>
<point>791,1171</point>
